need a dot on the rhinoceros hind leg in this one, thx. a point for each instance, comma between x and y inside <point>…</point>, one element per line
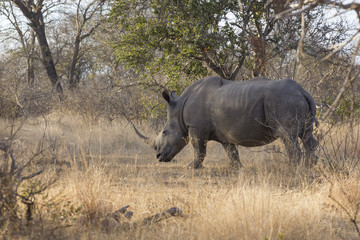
<point>292,147</point>
<point>310,145</point>
<point>233,155</point>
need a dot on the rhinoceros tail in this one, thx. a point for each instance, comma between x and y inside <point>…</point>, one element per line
<point>312,105</point>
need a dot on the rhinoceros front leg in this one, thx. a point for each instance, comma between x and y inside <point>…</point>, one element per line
<point>233,154</point>
<point>198,142</point>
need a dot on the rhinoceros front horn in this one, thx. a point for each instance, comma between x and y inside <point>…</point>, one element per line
<point>147,140</point>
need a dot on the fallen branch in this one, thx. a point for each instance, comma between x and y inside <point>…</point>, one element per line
<point>171,212</point>
<point>118,220</point>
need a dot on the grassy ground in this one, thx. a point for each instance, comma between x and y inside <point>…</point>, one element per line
<point>101,167</point>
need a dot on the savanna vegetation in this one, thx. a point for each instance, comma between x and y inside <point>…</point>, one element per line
<point>75,74</point>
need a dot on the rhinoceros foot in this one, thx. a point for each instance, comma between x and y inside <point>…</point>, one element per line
<point>236,165</point>
<point>195,165</point>
<point>312,161</point>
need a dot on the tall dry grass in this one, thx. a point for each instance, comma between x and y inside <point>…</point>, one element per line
<point>101,167</point>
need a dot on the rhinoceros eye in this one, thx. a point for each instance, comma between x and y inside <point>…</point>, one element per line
<point>165,132</point>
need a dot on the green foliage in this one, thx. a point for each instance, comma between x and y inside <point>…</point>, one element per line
<point>178,39</point>
<point>192,38</point>
<point>343,111</point>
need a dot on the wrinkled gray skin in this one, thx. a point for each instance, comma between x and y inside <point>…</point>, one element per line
<point>248,113</point>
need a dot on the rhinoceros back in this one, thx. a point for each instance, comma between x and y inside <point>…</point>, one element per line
<point>240,112</point>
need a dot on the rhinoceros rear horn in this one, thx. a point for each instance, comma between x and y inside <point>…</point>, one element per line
<point>147,140</point>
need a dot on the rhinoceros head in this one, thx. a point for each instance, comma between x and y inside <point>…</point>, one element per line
<point>172,139</point>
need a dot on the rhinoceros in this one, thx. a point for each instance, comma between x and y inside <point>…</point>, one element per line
<point>247,113</point>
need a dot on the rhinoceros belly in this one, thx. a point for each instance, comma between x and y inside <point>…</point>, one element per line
<point>241,120</point>
<point>244,134</point>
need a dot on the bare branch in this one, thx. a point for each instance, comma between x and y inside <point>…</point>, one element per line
<point>295,10</point>
<point>340,46</point>
<point>216,68</point>
<point>13,163</point>
<point>348,79</point>
<point>300,49</point>
<point>30,176</point>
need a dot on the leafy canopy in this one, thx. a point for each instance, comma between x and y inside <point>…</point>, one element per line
<point>192,38</point>
<point>179,38</point>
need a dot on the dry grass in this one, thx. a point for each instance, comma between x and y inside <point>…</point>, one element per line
<point>102,167</point>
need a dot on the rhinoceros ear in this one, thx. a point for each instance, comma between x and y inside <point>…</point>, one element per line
<point>166,96</point>
<point>170,97</point>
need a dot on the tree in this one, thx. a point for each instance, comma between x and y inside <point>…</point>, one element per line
<point>335,48</point>
<point>83,18</point>
<point>192,37</point>
<point>179,37</point>
<point>25,38</point>
<point>84,29</point>
<point>257,23</point>
<point>33,11</point>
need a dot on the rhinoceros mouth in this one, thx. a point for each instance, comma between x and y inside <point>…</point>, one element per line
<point>165,156</point>
<point>164,160</point>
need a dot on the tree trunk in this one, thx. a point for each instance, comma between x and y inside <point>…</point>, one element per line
<point>73,79</point>
<point>47,58</point>
<point>259,47</point>
<point>30,60</point>
<point>33,12</point>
